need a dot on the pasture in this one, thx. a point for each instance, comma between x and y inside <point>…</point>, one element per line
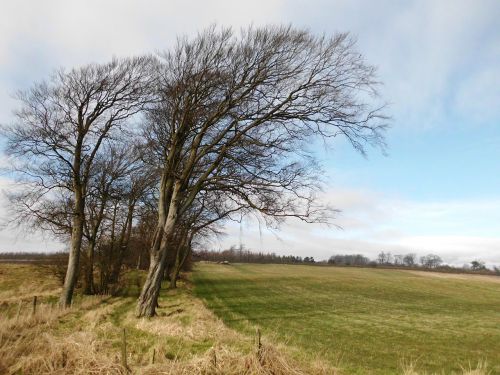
<point>313,320</point>
<point>364,321</point>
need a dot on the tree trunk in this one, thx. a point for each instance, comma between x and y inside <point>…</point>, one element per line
<point>175,269</point>
<point>148,300</point>
<point>173,277</point>
<point>123,243</point>
<point>89,288</point>
<point>139,262</point>
<point>74,252</point>
<point>175,273</point>
<point>108,261</point>
<point>166,272</point>
<point>180,259</point>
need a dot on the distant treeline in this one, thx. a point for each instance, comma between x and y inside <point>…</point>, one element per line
<point>49,258</point>
<point>242,255</point>
<point>410,260</point>
<point>234,255</point>
<point>384,259</point>
<point>387,259</point>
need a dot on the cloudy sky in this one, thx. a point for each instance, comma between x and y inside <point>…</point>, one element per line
<point>437,190</point>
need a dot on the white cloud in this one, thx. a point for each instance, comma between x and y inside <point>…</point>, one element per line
<point>37,37</point>
<point>423,49</point>
<point>458,231</point>
<point>456,249</point>
<point>426,50</point>
<point>75,32</point>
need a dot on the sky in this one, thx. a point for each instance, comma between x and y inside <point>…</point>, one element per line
<point>438,188</point>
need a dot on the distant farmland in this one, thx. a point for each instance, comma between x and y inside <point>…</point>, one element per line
<point>364,321</point>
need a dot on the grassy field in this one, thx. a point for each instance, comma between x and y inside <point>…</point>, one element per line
<point>365,321</point>
<point>314,320</point>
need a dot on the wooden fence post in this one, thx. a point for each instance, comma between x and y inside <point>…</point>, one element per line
<point>259,346</point>
<point>34,305</point>
<point>64,358</point>
<point>215,359</point>
<point>153,357</point>
<point>124,349</point>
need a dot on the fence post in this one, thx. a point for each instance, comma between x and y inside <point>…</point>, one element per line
<point>153,357</point>
<point>64,358</point>
<point>259,347</point>
<point>34,305</point>
<point>124,349</point>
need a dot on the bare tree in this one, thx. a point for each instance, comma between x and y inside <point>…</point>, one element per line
<point>349,260</point>
<point>477,265</point>
<point>410,259</point>
<point>398,259</point>
<point>138,185</point>
<point>384,258</point>
<point>236,113</point>
<point>61,125</point>
<point>431,261</point>
<point>118,179</point>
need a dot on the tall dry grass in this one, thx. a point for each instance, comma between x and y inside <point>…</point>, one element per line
<point>411,368</point>
<point>36,344</point>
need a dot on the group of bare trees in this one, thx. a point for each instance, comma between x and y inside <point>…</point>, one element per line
<point>68,147</point>
<point>408,260</point>
<point>349,260</point>
<point>431,261</point>
<point>170,146</point>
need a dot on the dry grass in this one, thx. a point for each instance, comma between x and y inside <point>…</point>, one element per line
<point>231,353</point>
<point>411,368</point>
<point>224,360</point>
<point>457,276</point>
<point>480,369</point>
<point>34,344</point>
<point>186,338</point>
<point>187,318</point>
<point>37,345</point>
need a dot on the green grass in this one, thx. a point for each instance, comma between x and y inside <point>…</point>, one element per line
<point>366,321</point>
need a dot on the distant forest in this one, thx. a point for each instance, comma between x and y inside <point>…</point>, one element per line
<point>384,259</point>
